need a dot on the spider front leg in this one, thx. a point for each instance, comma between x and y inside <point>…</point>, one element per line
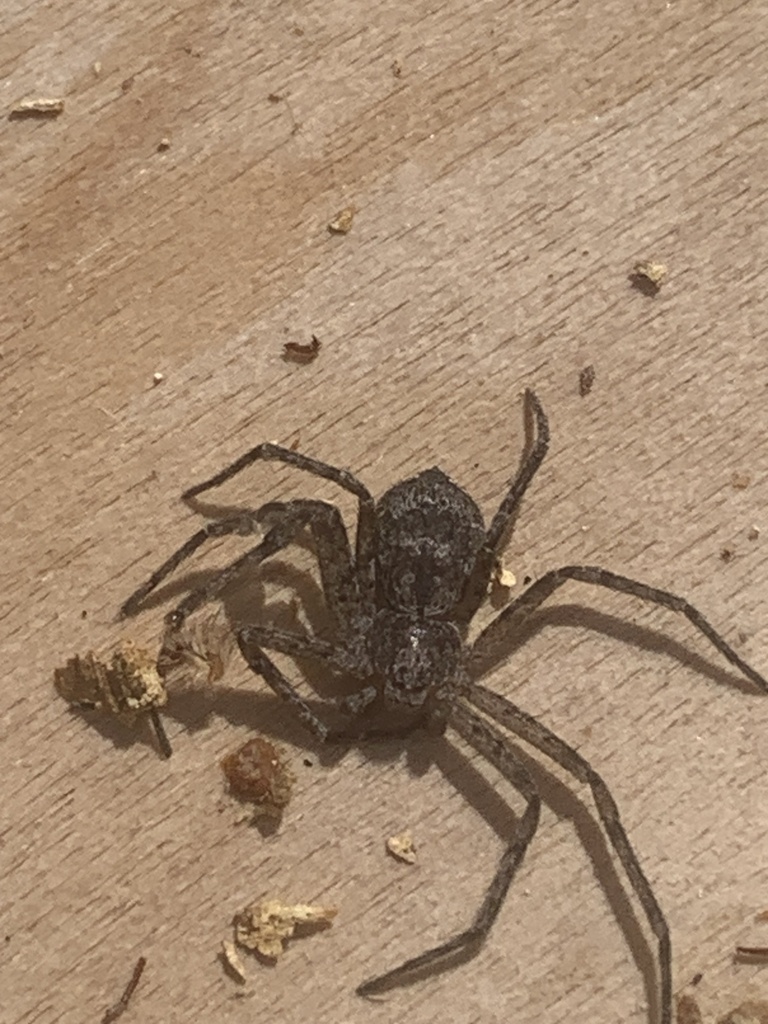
<point>526,604</point>
<point>496,749</point>
<point>502,522</point>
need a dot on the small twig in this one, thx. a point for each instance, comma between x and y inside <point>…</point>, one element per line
<point>753,952</point>
<point>162,737</point>
<point>121,1005</point>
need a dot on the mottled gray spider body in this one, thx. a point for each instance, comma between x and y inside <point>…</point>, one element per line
<point>399,607</point>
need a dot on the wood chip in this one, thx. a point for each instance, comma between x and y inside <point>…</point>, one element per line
<point>38,106</point>
<point>401,846</point>
<point>503,577</point>
<point>652,272</point>
<point>265,927</point>
<point>342,222</point>
<point>232,961</point>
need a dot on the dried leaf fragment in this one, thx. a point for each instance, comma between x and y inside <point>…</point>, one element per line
<point>401,846</point>
<point>232,960</point>
<point>265,927</point>
<point>652,272</point>
<point>740,480</point>
<point>299,353</point>
<point>38,106</point>
<point>197,652</point>
<point>586,380</point>
<point>342,222</point>
<point>747,1013</point>
<point>257,773</point>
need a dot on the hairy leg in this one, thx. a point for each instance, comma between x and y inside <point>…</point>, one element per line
<point>529,729</point>
<point>503,520</point>
<point>365,539</point>
<point>520,609</point>
<point>495,747</point>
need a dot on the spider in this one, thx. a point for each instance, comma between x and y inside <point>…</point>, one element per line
<point>400,607</point>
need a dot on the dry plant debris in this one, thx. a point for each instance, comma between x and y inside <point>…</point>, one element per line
<point>586,380</point>
<point>116,1011</point>
<point>197,653</point>
<point>747,1013</point>
<point>756,953</point>
<point>401,846</point>
<point>233,961</point>
<point>503,577</point>
<point>299,353</point>
<point>265,927</point>
<point>740,480</point>
<point>652,272</point>
<point>38,106</point>
<point>257,774</point>
<point>687,1010</point>
<point>342,222</point>
<point>127,686</point>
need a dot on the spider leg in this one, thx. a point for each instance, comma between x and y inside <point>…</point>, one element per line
<point>334,557</point>
<point>250,638</point>
<point>243,523</point>
<point>501,523</point>
<point>263,666</point>
<point>331,542</point>
<point>493,745</point>
<point>365,539</point>
<point>527,602</point>
<point>533,732</point>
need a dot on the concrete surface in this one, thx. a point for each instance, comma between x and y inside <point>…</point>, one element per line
<point>509,164</point>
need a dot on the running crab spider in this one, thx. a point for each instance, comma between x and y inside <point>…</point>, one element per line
<point>400,606</point>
